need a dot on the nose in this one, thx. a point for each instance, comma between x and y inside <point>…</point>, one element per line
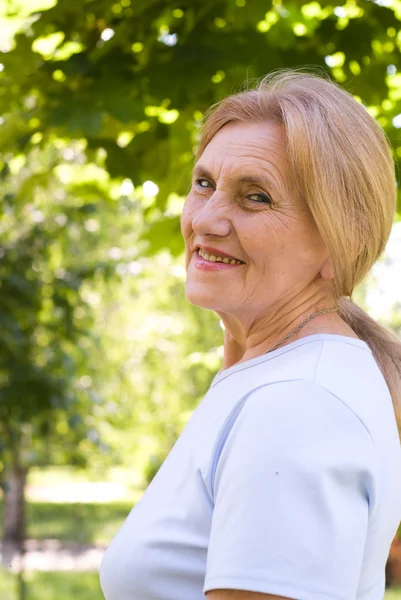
<point>212,219</point>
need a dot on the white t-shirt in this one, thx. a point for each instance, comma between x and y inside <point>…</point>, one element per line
<point>286,480</point>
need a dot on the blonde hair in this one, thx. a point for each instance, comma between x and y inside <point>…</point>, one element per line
<point>343,166</point>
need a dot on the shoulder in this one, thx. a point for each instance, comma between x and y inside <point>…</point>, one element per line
<point>351,374</point>
<point>296,405</point>
<point>298,426</point>
<point>350,362</point>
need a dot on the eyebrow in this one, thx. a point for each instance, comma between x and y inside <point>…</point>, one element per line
<point>202,171</point>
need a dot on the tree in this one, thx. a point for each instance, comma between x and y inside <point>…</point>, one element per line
<point>46,325</point>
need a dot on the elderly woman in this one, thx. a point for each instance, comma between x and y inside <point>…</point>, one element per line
<point>286,481</point>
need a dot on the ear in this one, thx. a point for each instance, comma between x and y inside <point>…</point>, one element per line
<point>327,271</point>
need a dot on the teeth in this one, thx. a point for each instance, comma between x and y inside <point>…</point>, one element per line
<point>213,258</point>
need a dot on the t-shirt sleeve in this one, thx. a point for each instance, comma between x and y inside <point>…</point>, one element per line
<point>293,492</point>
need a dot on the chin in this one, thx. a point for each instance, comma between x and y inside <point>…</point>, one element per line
<point>202,298</point>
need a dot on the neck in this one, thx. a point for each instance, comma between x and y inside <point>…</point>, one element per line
<point>246,338</point>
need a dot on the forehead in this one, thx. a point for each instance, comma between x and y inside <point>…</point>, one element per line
<point>245,146</point>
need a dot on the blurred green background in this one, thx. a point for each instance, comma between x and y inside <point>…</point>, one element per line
<point>102,359</point>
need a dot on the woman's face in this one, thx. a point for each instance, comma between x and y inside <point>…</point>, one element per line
<point>243,204</point>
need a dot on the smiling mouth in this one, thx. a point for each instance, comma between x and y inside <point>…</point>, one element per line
<point>223,259</point>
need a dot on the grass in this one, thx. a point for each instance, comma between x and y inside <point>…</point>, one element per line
<point>53,476</point>
<point>53,586</point>
<point>85,523</point>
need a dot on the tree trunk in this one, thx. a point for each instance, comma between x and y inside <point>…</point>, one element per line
<point>14,523</point>
<point>14,506</point>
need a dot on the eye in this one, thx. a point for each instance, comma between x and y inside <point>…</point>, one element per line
<point>203,183</point>
<point>261,198</point>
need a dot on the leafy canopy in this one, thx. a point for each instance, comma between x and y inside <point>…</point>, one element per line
<point>134,78</point>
